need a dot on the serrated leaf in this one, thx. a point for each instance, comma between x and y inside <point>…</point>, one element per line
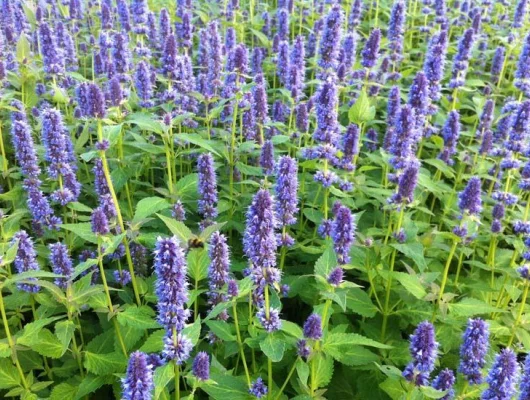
<point>350,339</point>
<point>411,283</point>
<point>323,369</point>
<point>64,330</point>
<point>154,343</point>
<point>470,306</point>
<point>291,328</point>
<point>181,231</point>
<point>414,251</point>
<point>148,206</point>
<point>222,387</point>
<point>326,263</point>
<point>273,346</point>
<point>30,333</point>
<point>8,374</point>
<point>91,383</point>
<point>104,364</point>
<point>83,230</point>
<point>138,317</point>
<point>198,262</point>
<point>222,330</point>
<point>193,331</point>
<point>48,345</point>
<point>359,302</point>
<point>161,378</point>
<point>209,230</point>
<point>5,350</point>
<point>63,391</point>
<point>361,111</point>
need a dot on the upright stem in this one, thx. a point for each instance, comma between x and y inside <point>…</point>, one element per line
<point>445,275</point>
<point>119,215</point>
<point>240,342</point>
<point>520,313</point>
<point>11,342</point>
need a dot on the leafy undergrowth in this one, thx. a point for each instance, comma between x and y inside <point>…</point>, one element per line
<point>284,199</point>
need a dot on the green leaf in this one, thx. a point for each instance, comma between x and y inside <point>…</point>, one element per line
<point>64,330</point>
<point>291,329</point>
<point>198,262</point>
<point>326,262</point>
<point>393,388</point>
<point>48,345</point>
<point>104,364</point>
<point>351,339</point>
<point>155,342</point>
<point>30,333</point>
<point>138,317</point>
<point>5,350</point>
<point>198,141</point>
<point>91,383</point>
<point>145,122</point>
<point>323,369</point>
<point>273,346</point>
<point>193,331</point>
<point>63,391</point>
<point>222,330</point>
<point>223,387</point>
<point>411,283</point>
<point>8,374</point>
<point>161,378</point>
<point>186,187</point>
<point>432,393</point>
<point>23,49</point>
<point>83,230</point>
<point>359,302</point>
<point>470,307</point>
<point>209,230</point>
<point>361,111</point>
<point>148,206</point>
<point>181,231</point>
<point>414,251</point>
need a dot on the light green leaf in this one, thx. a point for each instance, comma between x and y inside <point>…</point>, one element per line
<point>64,330</point>
<point>273,346</point>
<point>361,111</point>
<point>470,307</point>
<point>148,206</point>
<point>30,333</point>
<point>154,343</point>
<point>48,345</point>
<point>104,364</point>
<point>223,387</point>
<point>161,378</point>
<point>198,262</point>
<point>351,339</point>
<point>414,251</point>
<point>8,374</point>
<point>326,262</point>
<point>411,283</point>
<point>222,330</point>
<point>181,231</point>
<point>138,317</point>
<point>63,391</point>
<point>359,302</point>
<point>83,230</point>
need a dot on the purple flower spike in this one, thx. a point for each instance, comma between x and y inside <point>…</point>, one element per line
<point>143,83</point>
<point>331,37</point>
<point>524,388</point>
<point>201,366</point>
<point>450,134</point>
<point>469,199</point>
<point>218,268</point>
<point>343,234</point>
<point>444,382</point>
<point>258,388</point>
<point>502,377</point>
<point>370,53</point>
<point>26,260</point>
<point>473,350</point>
<point>313,327</point>
<point>61,264</point>
<point>424,351</point>
<point>171,284</point>
<point>335,276</point>
<point>138,382</point>
<point>52,55</point>
<point>286,190</point>
<point>207,187</point>
<point>266,160</point>
<point>406,185</point>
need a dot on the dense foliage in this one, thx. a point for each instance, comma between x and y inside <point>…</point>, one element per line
<point>240,199</point>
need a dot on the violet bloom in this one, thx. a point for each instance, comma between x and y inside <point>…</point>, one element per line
<point>138,381</point>
<point>524,388</point>
<point>469,200</point>
<point>270,323</point>
<point>23,143</point>
<point>461,60</point>
<point>434,64</point>
<point>350,147</point>
<point>343,234</point>
<point>392,112</point>
<point>218,269</point>
<point>121,55</point>
<point>424,351</point>
<point>143,83</point>
<point>502,377</point>
<point>282,62</point>
<point>497,63</point>
<point>171,285</point>
<point>313,327</point>
<point>335,277</point>
<point>201,366</point>
<point>258,388</point>
<point>450,134</point>
<point>266,160</point>
<point>123,15</point>
<point>214,60</point>
<point>282,18</point>
<point>207,188</point>
<point>297,68</point>
<point>327,129</point>
<point>445,382</point>
<point>286,190</point>
<point>99,222</point>
<point>419,99</point>
<point>486,118</point>
<point>330,42</point>
<point>178,211</point>
<point>473,350</point>
<point>114,93</point>
<point>403,137</point>
<point>370,53</point>
<point>52,56</point>
<point>406,185</point>
<point>396,30</point>
<point>61,264</point>
<point>139,10</point>
<point>522,74</point>
<point>25,260</point>
<point>521,10</point>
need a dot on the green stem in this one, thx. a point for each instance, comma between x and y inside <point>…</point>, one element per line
<point>287,379</point>
<point>11,342</point>
<point>240,342</point>
<point>520,313</point>
<point>445,275</point>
